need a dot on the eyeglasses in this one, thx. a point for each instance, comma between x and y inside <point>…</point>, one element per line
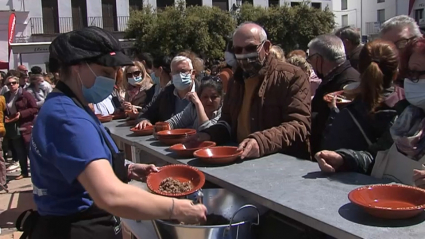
<point>414,76</point>
<point>134,73</point>
<point>308,59</point>
<point>400,44</point>
<point>249,48</point>
<point>12,83</point>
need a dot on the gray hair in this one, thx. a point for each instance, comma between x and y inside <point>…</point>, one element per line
<point>329,46</point>
<point>349,33</point>
<point>262,33</point>
<point>401,21</point>
<point>178,59</point>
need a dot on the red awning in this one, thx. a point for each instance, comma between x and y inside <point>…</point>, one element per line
<point>4,65</point>
<point>411,3</point>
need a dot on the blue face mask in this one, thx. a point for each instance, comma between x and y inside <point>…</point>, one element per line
<point>182,80</point>
<point>155,79</point>
<point>134,80</point>
<point>415,92</point>
<point>102,88</point>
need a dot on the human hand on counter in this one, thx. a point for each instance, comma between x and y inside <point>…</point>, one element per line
<point>419,178</point>
<point>143,124</point>
<point>187,212</point>
<point>329,161</point>
<point>250,148</point>
<point>140,171</point>
<point>198,137</point>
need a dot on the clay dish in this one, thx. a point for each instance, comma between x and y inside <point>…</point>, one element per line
<point>186,150</point>
<point>142,132</point>
<point>218,155</point>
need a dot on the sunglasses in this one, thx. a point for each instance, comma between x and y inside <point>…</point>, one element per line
<point>12,83</point>
<point>415,75</point>
<point>134,73</point>
<point>308,59</point>
<point>249,48</point>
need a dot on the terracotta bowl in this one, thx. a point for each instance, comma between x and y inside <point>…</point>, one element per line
<point>104,119</point>
<point>340,100</point>
<point>390,201</point>
<point>160,126</point>
<point>131,114</point>
<point>186,150</point>
<point>142,132</point>
<point>176,133</point>
<point>218,155</point>
<point>172,141</point>
<point>119,115</point>
<point>181,172</point>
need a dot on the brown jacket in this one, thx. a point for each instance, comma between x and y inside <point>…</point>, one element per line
<point>280,111</point>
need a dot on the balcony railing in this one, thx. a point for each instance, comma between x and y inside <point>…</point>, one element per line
<point>65,24</point>
<point>373,28</point>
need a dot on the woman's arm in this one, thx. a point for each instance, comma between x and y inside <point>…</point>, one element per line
<point>200,111</point>
<point>120,199</point>
<point>183,119</point>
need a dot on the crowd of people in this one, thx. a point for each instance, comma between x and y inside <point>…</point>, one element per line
<point>263,99</point>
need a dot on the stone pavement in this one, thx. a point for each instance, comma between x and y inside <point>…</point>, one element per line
<point>12,204</point>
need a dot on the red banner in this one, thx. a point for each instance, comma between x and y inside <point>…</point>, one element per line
<point>411,3</point>
<point>11,32</point>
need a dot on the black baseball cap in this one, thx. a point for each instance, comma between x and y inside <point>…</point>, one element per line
<point>90,44</point>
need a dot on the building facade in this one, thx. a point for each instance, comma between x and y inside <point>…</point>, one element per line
<point>40,21</point>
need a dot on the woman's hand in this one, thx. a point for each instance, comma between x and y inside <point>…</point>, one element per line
<point>143,124</point>
<point>193,97</point>
<point>185,211</point>
<point>329,161</point>
<point>127,105</point>
<point>141,171</point>
<point>419,178</point>
<point>332,104</point>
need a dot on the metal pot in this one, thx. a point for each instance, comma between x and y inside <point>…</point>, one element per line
<point>236,209</point>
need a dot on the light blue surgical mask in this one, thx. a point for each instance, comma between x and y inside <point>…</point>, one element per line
<point>415,92</point>
<point>155,79</point>
<point>182,80</point>
<point>102,88</point>
<point>134,80</point>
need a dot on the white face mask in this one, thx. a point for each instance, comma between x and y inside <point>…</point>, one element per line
<point>415,92</point>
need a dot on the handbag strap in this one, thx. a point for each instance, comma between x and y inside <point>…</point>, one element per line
<point>360,128</point>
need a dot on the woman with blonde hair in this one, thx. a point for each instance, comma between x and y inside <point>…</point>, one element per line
<point>302,63</point>
<point>278,52</point>
<point>139,90</point>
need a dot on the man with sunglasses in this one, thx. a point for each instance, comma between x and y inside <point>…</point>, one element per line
<point>267,105</point>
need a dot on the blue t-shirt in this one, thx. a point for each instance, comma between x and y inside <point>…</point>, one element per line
<point>65,139</point>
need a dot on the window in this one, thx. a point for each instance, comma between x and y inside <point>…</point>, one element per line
<point>193,3</point>
<point>163,3</point>
<point>50,16</point>
<point>344,20</point>
<point>419,13</point>
<point>317,5</point>
<point>379,1</point>
<point>294,4</point>
<point>274,3</point>
<point>79,14</point>
<point>222,4</point>
<point>109,15</point>
<point>344,5</point>
<point>135,5</point>
<point>381,15</point>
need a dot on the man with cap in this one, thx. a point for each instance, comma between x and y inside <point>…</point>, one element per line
<point>77,170</point>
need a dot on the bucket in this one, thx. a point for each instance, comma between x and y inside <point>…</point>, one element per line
<point>236,209</point>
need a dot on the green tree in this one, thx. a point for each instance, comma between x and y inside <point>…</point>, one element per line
<point>287,26</point>
<point>200,29</point>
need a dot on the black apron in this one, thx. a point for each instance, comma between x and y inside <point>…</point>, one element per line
<point>91,223</point>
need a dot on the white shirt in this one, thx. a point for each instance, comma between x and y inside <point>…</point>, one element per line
<point>104,107</point>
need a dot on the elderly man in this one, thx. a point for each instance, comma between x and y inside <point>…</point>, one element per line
<point>352,44</point>
<point>400,30</point>
<point>172,100</point>
<point>327,56</point>
<point>267,105</point>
